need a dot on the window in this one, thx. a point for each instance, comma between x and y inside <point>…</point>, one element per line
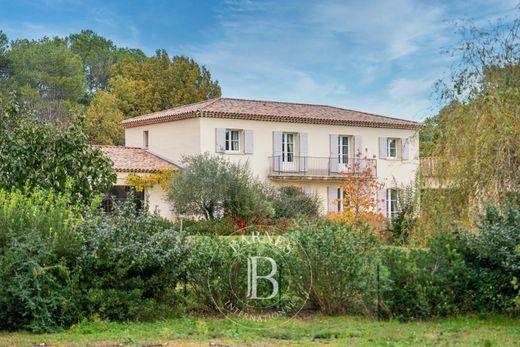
<point>341,197</point>
<point>393,203</point>
<point>120,194</point>
<point>145,139</point>
<point>343,149</point>
<point>232,140</point>
<point>287,147</point>
<point>392,148</point>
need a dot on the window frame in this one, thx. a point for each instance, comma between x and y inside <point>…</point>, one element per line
<point>342,155</point>
<point>392,202</point>
<point>288,156</point>
<point>229,141</point>
<point>146,139</point>
<point>396,145</point>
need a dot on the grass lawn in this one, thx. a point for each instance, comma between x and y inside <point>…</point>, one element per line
<point>311,331</point>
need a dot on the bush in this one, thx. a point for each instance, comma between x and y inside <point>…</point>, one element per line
<point>212,186</point>
<point>292,202</point>
<point>129,263</point>
<point>343,261</point>
<point>39,245</point>
<point>428,282</point>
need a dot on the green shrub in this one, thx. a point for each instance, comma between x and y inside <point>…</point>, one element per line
<point>428,282</point>
<point>293,202</point>
<point>129,262</point>
<point>39,244</point>
<point>343,262</point>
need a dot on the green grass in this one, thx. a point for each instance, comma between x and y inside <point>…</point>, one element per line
<point>310,331</point>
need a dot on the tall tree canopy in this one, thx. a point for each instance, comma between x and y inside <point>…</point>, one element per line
<point>158,83</point>
<point>47,75</point>
<point>476,137</point>
<point>88,74</point>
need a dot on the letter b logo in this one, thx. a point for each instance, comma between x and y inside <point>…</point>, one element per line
<point>253,277</point>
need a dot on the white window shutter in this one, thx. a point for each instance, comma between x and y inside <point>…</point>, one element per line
<point>358,145</point>
<point>277,150</point>
<point>304,151</point>
<point>333,157</point>
<point>220,140</point>
<point>248,141</point>
<point>405,154</point>
<point>382,202</point>
<point>383,147</point>
<point>307,190</point>
<point>332,199</point>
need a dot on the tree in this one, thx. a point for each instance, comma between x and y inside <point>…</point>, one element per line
<point>360,202</point>
<point>34,154</point>
<point>97,54</point>
<point>211,186</point>
<point>477,144</point>
<point>3,58</point>
<point>103,119</point>
<point>47,75</point>
<point>158,83</point>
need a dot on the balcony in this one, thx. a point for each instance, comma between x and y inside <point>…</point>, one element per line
<point>319,167</point>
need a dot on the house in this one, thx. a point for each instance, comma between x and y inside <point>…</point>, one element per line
<point>137,161</point>
<point>285,143</point>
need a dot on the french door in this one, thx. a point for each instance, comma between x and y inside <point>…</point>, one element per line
<point>343,153</point>
<point>288,160</point>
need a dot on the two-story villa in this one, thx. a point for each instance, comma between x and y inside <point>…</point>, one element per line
<point>285,143</point>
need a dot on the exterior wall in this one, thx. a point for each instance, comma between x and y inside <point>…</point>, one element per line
<point>155,197</point>
<point>168,140</point>
<point>392,172</point>
<point>175,139</point>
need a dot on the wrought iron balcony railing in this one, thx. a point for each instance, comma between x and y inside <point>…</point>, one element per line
<point>305,166</point>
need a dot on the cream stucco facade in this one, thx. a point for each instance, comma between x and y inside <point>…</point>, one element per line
<point>174,139</point>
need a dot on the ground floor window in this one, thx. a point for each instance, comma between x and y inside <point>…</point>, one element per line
<point>392,203</point>
<point>341,199</point>
<point>121,193</point>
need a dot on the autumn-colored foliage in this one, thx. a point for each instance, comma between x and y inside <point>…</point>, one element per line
<point>360,186</point>
<point>163,177</point>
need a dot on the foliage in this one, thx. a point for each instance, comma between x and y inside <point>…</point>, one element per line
<point>129,263</point>
<point>360,187</point>
<point>47,75</point>
<point>103,118</point>
<point>403,225</point>
<point>342,259</point>
<point>97,55</point>
<point>212,186</point>
<point>163,178</point>
<point>159,83</point>
<point>33,154</point>
<point>293,202</point>
<point>477,134</point>
<point>426,283</point>
<point>39,245</point>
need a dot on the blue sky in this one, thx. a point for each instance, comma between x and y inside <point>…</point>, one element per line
<point>373,55</point>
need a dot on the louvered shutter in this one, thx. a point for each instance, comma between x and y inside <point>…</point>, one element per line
<point>277,150</point>
<point>248,141</point>
<point>304,152</point>
<point>220,140</point>
<point>333,156</point>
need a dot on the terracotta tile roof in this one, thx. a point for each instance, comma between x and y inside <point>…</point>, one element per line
<point>135,159</point>
<point>271,111</point>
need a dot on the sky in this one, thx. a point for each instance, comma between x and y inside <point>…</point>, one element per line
<point>374,55</point>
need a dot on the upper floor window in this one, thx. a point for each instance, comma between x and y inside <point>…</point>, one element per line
<point>145,139</point>
<point>232,140</point>
<point>288,147</point>
<point>343,149</point>
<point>392,148</point>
